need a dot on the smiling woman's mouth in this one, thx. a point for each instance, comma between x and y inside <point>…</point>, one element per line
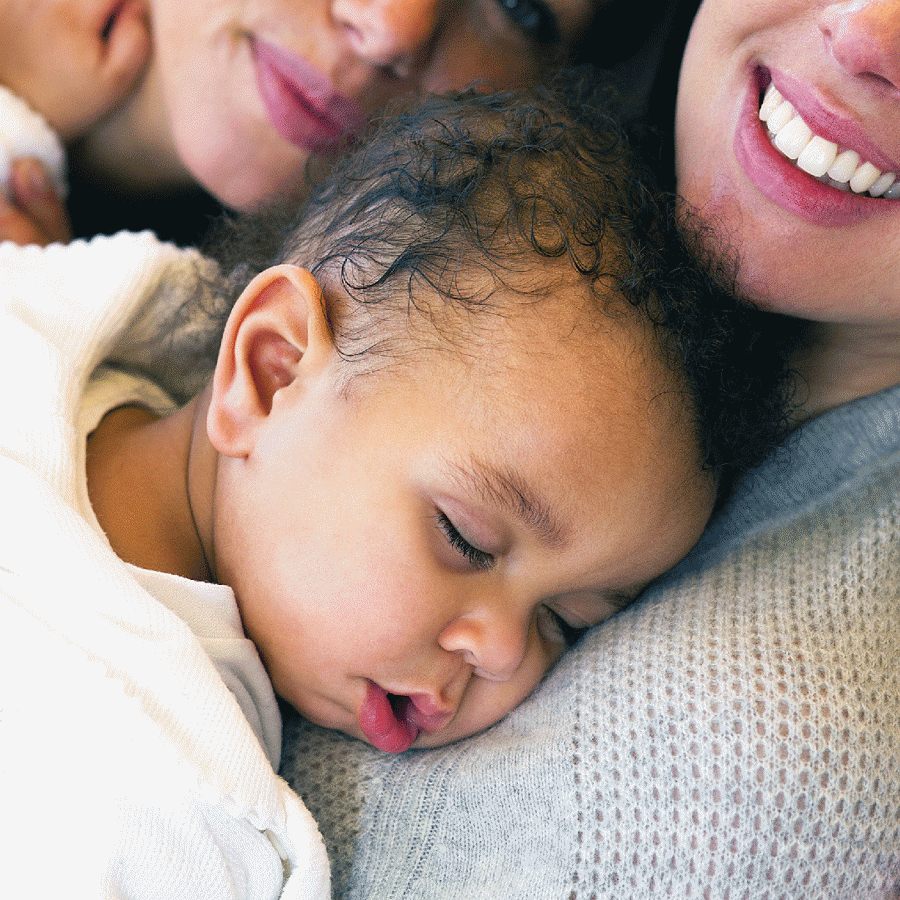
<point>824,160</point>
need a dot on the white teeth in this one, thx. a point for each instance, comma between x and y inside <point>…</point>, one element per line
<point>864,177</point>
<point>819,157</point>
<point>771,102</point>
<point>880,187</point>
<point>793,138</point>
<point>844,166</point>
<point>780,116</point>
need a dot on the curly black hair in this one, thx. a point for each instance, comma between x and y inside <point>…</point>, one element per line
<point>527,188</point>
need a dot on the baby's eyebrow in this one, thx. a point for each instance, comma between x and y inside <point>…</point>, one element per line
<point>513,495</point>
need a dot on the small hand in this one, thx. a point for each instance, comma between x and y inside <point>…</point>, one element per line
<point>32,214</point>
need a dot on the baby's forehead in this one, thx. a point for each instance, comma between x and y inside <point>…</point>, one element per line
<point>594,355</point>
<point>490,324</point>
<point>554,315</point>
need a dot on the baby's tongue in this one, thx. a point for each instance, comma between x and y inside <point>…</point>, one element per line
<point>382,727</point>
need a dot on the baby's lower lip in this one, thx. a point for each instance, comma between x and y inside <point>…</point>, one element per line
<point>384,727</point>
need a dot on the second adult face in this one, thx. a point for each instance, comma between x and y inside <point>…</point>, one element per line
<point>252,88</point>
<point>809,245</point>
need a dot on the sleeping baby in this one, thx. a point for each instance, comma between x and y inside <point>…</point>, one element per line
<point>465,405</point>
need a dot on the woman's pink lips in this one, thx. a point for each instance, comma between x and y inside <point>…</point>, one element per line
<point>299,100</point>
<point>830,122</point>
<point>789,187</point>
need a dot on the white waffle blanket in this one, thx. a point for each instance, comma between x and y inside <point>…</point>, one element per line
<point>126,766</point>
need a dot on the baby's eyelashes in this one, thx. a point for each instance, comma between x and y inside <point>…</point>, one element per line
<point>555,628</point>
<point>478,559</point>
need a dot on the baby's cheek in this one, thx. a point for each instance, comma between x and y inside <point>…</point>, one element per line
<point>486,702</point>
<point>542,657</point>
<point>554,653</point>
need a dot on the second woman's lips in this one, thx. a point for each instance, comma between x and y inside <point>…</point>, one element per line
<point>300,101</point>
<point>786,185</point>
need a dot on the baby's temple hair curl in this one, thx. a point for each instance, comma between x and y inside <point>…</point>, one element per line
<point>474,201</point>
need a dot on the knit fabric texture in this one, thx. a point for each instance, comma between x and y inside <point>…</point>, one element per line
<point>733,736</point>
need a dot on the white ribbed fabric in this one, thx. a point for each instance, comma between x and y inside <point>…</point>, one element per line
<point>735,736</point>
<point>127,768</point>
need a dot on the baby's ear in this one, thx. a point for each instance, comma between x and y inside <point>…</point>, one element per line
<point>277,332</point>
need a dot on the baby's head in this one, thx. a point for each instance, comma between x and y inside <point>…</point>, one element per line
<point>479,401</point>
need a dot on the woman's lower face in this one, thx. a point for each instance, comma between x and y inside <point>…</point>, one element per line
<point>252,90</point>
<point>809,244</point>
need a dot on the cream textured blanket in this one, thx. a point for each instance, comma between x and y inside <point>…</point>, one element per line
<point>127,768</point>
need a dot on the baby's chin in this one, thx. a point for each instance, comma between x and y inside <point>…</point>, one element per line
<point>456,731</point>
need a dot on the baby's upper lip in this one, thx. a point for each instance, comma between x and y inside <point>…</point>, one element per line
<point>427,713</point>
<point>392,720</point>
<point>830,121</point>
<point>306,80</point>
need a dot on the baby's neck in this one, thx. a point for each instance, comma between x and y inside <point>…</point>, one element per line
<point>137,475</point>
<point>841,363</point>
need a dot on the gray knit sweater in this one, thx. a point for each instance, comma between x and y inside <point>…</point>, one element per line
<point>734,735</point>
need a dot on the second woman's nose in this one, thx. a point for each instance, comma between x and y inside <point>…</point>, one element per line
<point>393,34</point>
<point>864,37</point>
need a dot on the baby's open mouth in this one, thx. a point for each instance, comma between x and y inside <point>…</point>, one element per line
<point>401,705</point>
<point>826,161</point>
<point>386,720</point>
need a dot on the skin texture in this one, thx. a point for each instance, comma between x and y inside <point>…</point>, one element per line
<point>805,249</point>
<point>32,213</point>
<point>346,519</point>
<point>200,111</point>
<point>73,60</point>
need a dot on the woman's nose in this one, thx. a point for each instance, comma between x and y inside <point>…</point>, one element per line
<point>864,37</point>
<point>393,34</point>
<point>493,641</point>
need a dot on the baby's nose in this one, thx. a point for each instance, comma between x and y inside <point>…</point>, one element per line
<point>494,642</point>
